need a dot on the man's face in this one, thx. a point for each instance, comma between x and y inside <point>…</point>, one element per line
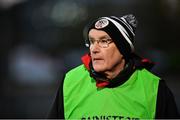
<point>103,58</point>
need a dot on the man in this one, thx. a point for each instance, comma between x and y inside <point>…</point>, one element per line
<point>113,82</point>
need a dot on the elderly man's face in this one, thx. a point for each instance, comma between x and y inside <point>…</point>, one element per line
<point>103,58</point>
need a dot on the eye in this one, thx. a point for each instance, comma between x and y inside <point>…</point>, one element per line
<point>104,41</point>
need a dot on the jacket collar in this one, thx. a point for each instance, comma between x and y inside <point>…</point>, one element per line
<point>101,81</point>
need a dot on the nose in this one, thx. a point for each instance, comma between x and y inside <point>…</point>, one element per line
<point>94,48</point>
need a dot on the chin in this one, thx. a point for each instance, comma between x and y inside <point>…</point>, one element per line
<point>98,68</point>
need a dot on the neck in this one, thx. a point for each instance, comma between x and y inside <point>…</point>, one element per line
<point>110,74</point>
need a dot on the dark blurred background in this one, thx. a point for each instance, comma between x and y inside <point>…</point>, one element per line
<point>41,39</point>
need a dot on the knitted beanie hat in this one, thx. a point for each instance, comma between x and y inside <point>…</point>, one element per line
<point>120,29</point>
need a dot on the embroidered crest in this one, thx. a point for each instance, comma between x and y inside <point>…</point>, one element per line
<point>102,23</point>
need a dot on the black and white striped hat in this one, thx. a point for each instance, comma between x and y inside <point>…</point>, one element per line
<point>120,29</point>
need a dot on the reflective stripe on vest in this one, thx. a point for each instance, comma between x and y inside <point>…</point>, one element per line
<point>134,99</point>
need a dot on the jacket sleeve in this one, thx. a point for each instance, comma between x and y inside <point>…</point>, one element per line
<point>57,108</point>
<point>166,105</point>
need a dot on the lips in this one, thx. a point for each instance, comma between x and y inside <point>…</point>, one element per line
<point>97,59</point>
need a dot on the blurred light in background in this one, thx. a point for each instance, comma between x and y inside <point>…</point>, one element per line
<point>40,15</point>
<point>29,66</point>
<point>6,4</point>
<point>66,13</point>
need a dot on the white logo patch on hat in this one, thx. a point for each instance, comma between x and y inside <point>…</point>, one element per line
<point>102,23</point>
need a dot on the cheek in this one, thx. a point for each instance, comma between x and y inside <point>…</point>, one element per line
<point>113,57</point>
<point>108,59</point>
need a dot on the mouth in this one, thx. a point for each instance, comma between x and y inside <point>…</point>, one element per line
<point>97,59</point>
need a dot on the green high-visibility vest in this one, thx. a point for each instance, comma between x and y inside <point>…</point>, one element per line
<point>136,98</point>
